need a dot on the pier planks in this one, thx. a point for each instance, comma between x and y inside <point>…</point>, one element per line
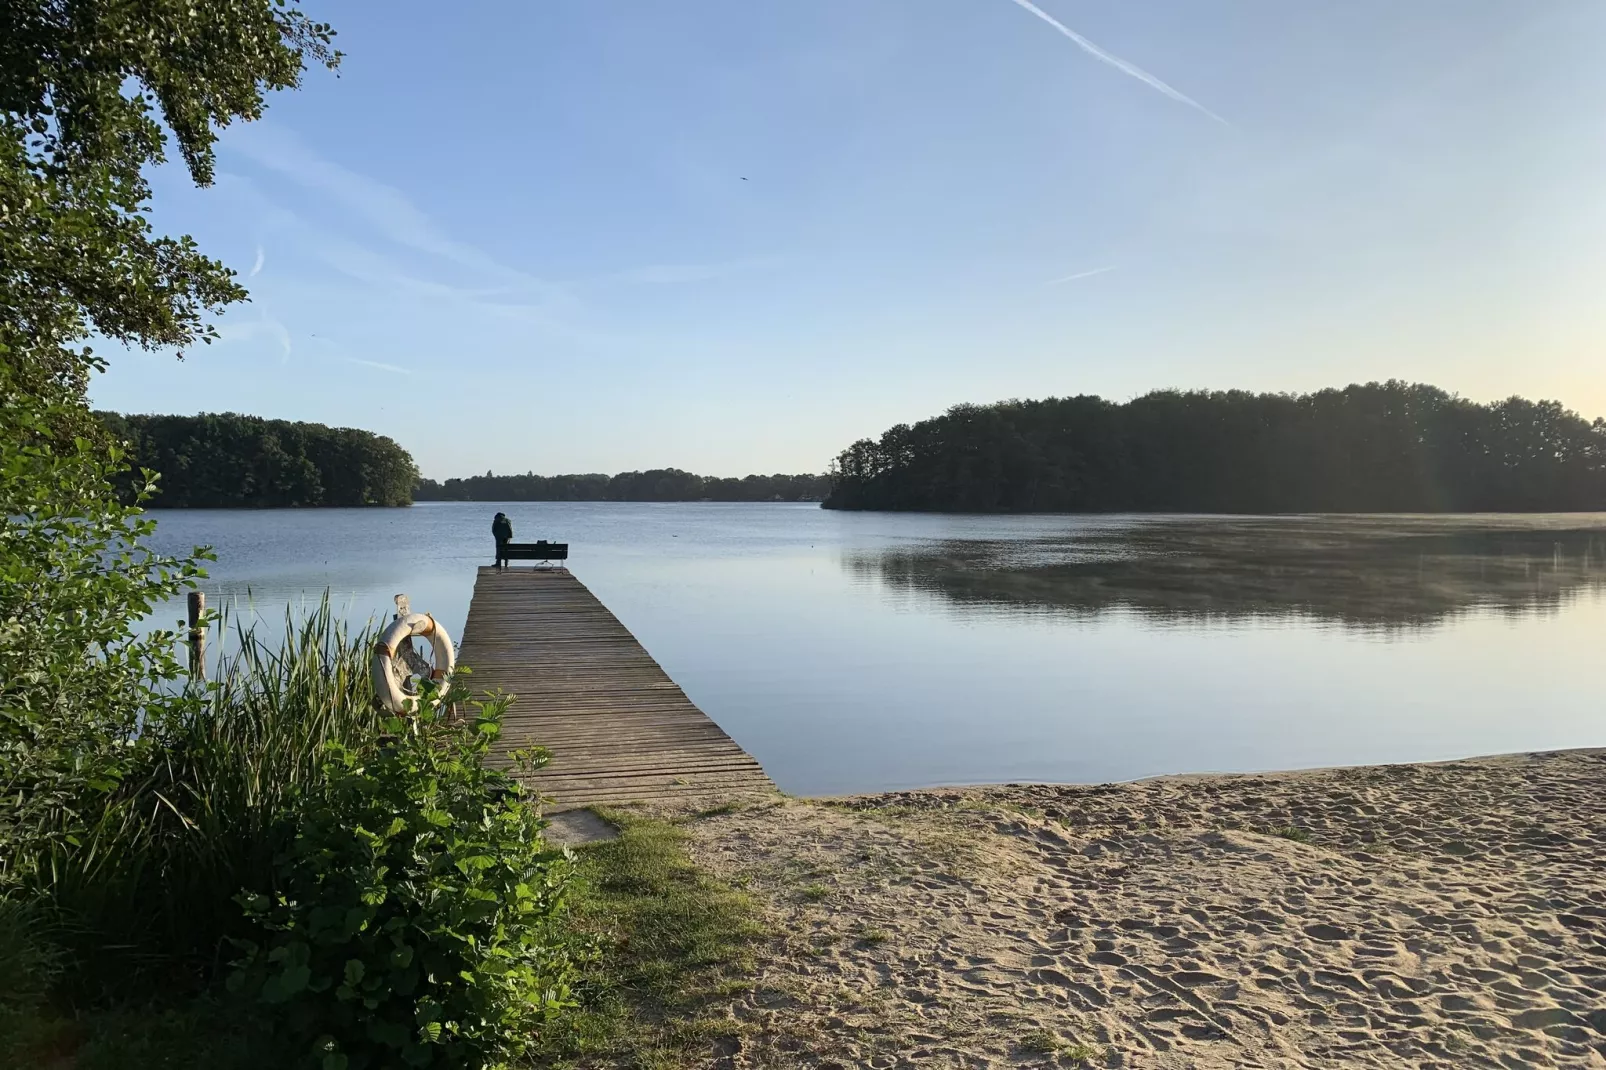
<point>620,730</point>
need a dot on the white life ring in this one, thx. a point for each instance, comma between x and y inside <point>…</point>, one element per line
<point>387,687</point>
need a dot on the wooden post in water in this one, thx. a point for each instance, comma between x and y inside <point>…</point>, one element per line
<point>198,635</point>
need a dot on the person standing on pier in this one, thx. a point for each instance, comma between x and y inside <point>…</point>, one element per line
<point>502,532</point>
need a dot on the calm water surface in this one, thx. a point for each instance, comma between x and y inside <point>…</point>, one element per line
<point>864,652</point>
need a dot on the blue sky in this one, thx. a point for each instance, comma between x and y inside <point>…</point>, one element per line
<point>732,236</point>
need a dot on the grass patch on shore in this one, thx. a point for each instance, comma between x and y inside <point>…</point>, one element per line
<point>1046,1042</point>
<point>871,936</point>
<point>672,943</point>
<point>1041,1042</point>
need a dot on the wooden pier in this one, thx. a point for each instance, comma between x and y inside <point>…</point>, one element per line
<point>619,729</point>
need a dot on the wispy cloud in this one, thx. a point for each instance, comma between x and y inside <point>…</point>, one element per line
<point>363,264</point>
<point>256,268</point>
<point>381,365</point>
<point>385,208</point>
<point>1080,275</point>
<point>1118,63</point>
<point>412,253</point>
<point>671,273</point>
<point>679,273</point>
<point>283,336</point>
<point>264,326</point>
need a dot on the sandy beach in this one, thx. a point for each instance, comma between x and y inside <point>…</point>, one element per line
<point>1448,915</point>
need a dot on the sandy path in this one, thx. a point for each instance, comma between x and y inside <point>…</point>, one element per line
<point>1448,915</point>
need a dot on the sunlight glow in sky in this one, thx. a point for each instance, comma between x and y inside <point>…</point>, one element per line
<point>732,236</point>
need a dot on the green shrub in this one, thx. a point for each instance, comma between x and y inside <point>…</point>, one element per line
<point>416,918</point>
<point>76,675</point>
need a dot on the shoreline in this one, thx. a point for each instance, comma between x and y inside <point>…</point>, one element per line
<point>1436,914</point>
<point>1009,785</point>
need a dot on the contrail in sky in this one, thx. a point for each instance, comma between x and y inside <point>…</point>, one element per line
<point>1118,63</point>
<point>1080,275</point>
<point>256,267</point>
<point>381,365</point>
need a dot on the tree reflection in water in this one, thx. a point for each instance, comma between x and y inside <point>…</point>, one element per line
<point>1369,572</point>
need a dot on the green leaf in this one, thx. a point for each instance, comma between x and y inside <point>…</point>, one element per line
<point>285,986</point>
<point>390,1034</point>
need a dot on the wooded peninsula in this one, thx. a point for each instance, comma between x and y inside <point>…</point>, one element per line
<point>231,461</point>
<point>1380,447</point>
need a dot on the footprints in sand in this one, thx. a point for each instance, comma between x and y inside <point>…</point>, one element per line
<point>1449,916</point>
<point>1328,933</point>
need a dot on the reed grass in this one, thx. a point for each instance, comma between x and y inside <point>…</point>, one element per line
<point>29,966</point>
<point>154,882</point>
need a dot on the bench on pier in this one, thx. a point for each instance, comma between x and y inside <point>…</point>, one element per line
<point>536,551</point>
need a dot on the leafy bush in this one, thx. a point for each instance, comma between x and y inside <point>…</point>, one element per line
<point>416,919</point>
<point>76,676</point>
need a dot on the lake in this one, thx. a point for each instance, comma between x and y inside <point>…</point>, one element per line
<point>856,652</point>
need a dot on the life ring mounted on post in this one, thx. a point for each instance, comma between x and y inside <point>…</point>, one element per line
<point>395,664</point>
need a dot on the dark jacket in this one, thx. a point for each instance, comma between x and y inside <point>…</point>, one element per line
<point>502,529</point>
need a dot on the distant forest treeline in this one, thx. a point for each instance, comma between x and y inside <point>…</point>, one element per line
<point>657,485</point>
<point>1381,447</point>
<point>226,460</point>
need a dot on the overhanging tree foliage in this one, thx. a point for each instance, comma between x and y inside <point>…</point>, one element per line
<point>91,91</point>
